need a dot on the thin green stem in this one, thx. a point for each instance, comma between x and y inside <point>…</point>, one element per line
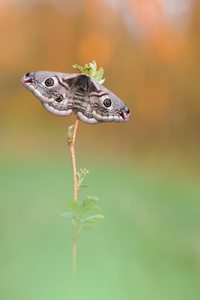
<point>71,144</point>
<point>74,254</point>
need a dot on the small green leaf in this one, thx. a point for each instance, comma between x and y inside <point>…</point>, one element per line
<point>81,176</point>
<point>93,218</point>
<point>88,222</point>
<point>74,206</point>
<point>89,204</point>
<point>98,76</point>
<point>67,214</point>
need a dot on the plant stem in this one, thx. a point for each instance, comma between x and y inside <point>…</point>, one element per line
<point>74,253</point>
<point>71,144</point>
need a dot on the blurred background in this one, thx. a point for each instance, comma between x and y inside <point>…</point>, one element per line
<point>145,172</point>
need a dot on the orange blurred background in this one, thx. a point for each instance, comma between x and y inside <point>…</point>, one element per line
<point>150,53</point>
<point>145,172</point>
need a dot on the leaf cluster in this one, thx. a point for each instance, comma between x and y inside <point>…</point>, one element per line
<point>91,70</point>
<point>86,212</point>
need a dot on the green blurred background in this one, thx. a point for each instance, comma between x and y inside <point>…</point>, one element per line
<point>145,172</point>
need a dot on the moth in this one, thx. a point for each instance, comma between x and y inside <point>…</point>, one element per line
<point>63,94</point>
